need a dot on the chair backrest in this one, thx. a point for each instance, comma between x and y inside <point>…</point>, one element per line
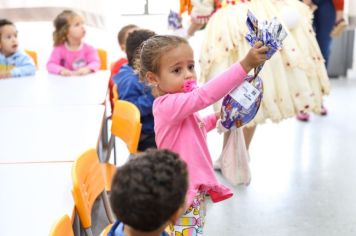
<point>103,56</point>
<point>126,124</point>
<point>62,226</point>
<point>33,55</point>
<point>88,184</point>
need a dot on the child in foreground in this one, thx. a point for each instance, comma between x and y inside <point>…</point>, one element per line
<point>148,193</point>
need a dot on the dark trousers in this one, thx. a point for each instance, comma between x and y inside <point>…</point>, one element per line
<point>324,20</point>
<point>146,141</point>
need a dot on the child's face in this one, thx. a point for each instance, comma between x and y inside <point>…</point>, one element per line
<point>176,66</point>
<point>76,29</point>
<point>8,40</point>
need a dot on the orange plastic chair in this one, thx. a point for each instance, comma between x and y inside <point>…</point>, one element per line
<point>109,172</point>
<point>62,226</point>
<point>33,55</point>
<point>88,184</point>
<point>126,124</point>
<point>103,56</point>
<point>106,230</point>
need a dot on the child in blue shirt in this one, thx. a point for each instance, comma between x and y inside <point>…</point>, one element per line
<point>148,193</point>
<point>13,63</point>
<point>131,89</point>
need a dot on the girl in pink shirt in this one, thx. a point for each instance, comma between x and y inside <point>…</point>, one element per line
<point>70,55</point>
<point>167,64</point>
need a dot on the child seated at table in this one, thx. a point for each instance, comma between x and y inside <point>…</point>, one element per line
<point>116,66</point>
<point>121,39</point>
<point>131,89</point>
<point>13,62</point>
<point>71,56</point>
<point>148,193</point>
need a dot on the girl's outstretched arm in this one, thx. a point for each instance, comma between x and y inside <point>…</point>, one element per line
<point>180,105</point>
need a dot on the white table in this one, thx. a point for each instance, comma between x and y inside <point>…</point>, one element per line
<point>33,196</point>
<point>45,89</point>
<point>48,134</point>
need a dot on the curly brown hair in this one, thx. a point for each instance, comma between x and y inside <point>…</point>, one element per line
<point>149,189</point>
<point>61,24</point>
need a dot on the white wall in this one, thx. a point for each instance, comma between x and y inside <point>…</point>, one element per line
<point>38,35</point>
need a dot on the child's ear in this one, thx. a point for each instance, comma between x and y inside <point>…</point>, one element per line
<point>152,78</point>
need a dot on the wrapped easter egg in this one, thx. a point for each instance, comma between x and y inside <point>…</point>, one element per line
<point>241,105</point>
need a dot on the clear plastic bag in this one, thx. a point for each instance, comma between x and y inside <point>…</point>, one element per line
<point>234,159</point>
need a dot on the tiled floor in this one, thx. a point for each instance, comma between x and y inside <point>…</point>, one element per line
<point>303,176</point>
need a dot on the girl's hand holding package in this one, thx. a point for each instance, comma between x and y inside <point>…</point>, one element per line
<point>257,55</point>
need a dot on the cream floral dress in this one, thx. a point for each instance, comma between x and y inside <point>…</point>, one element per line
<point>295,78</point>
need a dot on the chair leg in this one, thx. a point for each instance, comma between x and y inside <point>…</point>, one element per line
<point>104,134</point>
<point>76,224</point>
<point>114,151</point>
<point>109,148</point>
<point>89,232</point>
<point>107,207</point>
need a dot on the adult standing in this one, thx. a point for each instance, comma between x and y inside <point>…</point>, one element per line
<point>324,20</point>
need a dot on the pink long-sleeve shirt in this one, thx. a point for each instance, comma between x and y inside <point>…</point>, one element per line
<point>177,128</point>
<point>62,58</point>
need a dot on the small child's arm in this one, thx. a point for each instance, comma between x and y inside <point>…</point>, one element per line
<point>5,75</point>
<point>54,63</point>
<point>181,105</point>
<point>24,67</point>
<point>93,59</point>
<point>210,121</point>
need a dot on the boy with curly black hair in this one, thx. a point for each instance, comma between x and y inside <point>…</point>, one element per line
<point>148,193</point>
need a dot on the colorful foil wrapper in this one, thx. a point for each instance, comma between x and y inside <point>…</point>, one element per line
<point>234,113</point>
<point>174,20</point>
<point>270,33</point>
